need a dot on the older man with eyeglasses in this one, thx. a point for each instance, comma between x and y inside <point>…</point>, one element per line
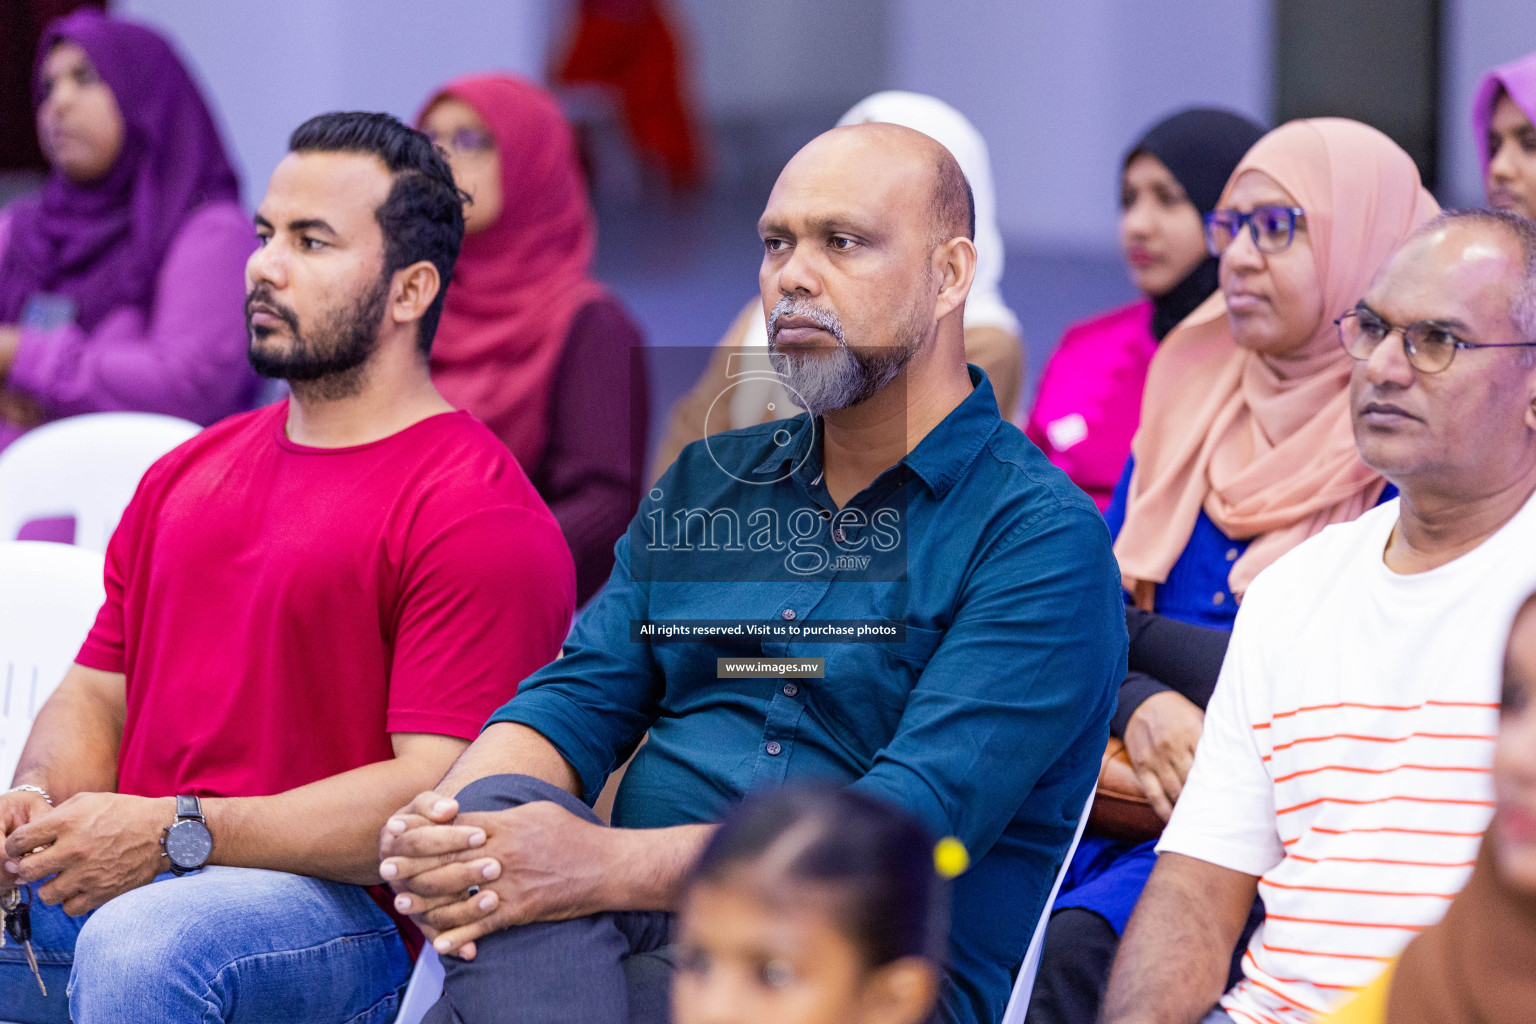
<point>1342,773</point>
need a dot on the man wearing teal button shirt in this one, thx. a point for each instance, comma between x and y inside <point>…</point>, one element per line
<point>985,720</point>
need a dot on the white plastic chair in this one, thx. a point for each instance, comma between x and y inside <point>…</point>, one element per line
<point>1024,984</point>
<point>426,984</point>
<point>84,466</point>
<point>426,988</point>
<point>49,596</point>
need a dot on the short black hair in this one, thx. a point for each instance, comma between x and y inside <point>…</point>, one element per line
<point>423,217</point>
<point>875,861</point>
<point>954,204</point>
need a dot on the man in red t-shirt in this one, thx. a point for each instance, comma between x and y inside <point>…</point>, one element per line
<point>311,609</point>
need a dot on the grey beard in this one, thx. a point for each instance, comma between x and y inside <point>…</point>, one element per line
<point>828,381</point>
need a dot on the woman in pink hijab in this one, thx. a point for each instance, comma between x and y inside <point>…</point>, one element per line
<point>1502,116</point>
<point>529,343</point>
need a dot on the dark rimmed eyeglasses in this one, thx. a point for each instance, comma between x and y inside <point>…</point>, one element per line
<point>1429,345</point>
<point>1272,228</point>
<point>467,141</point>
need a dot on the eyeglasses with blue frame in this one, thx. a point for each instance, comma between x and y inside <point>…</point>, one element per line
<point>1272,228</point>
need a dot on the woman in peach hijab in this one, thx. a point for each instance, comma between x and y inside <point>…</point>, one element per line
<point>1247,421</point>
<point>1245,450</point>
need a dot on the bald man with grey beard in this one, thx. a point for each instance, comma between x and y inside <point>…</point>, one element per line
<point>901,500</point>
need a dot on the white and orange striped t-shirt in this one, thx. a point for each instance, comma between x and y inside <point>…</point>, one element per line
<point>1345,755</point>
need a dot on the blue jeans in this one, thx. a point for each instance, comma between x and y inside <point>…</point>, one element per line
<point>222,944</point>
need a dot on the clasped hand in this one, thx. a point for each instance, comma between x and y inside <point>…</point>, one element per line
<point>95,845</point>
<point>535,862</point>
<point>1160,739</point>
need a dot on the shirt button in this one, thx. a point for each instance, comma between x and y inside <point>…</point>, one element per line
<point>1231,554</point>
<point>1218,598</point>
<point>774,749</point>
<point>838,535</point>
<point>787,614</point>
<point>790,689</point>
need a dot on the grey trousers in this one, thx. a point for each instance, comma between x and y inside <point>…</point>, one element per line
<point>605,969</point>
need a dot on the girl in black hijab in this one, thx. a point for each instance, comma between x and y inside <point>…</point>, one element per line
<point>1089,400</point>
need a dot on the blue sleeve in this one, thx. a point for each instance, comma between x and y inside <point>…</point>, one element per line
<point>1114,515</point>
<point>1027,668</point>
<point>597,701</point>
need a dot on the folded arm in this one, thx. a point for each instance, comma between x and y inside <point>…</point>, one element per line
<point>536,862</point>
<point>74,741</point>
<point>330,828</point>
<point>1174,959</point>
<point>571,725</point>
<point>1168,656</point>
<point>99,843</point>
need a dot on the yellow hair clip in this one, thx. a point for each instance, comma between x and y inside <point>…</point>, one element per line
<point>950,858</point>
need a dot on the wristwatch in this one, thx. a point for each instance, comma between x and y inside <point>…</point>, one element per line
<point>187,841</point>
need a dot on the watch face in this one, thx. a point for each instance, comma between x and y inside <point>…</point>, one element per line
<point>188,844</point>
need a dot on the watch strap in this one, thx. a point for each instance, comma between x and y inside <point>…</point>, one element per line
<point>189,806</point>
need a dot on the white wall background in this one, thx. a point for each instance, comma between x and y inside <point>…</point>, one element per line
<point>1060,90</point>
<point>270,65</point>
<point>1479,34</point>
<point>755,57</point>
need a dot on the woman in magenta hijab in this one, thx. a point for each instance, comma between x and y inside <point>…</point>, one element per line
<point>122,285</point>
<point>529,343</point>
<point>1502,116</point>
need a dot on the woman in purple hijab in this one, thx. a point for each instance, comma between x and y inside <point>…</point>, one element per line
<point>1502,115</point>
<point>122,285</point>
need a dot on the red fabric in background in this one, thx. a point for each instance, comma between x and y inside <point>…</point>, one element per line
<point>630,46</point>
<point>21,26</point>
<point>520,282</point>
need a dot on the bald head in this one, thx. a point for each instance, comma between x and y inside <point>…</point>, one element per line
<point>1457,232</point>
<point>878,153</point>
<point>867,259</point>
<point>1458,418</point>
